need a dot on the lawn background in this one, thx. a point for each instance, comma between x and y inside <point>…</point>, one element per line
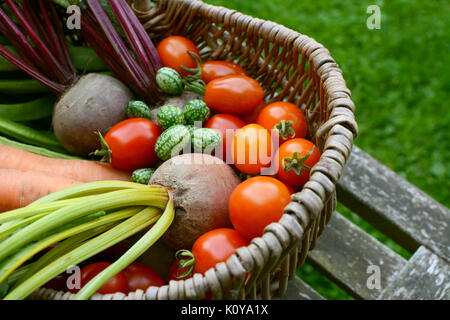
<point>399,76</point>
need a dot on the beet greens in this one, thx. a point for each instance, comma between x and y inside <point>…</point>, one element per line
<point>36,32</point>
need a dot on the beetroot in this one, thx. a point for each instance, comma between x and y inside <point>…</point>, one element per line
<point>201,186</point>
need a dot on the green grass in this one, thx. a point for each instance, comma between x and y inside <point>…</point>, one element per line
<point>399,76</point>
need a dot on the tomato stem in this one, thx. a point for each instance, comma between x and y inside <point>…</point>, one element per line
<point>105,152</point>
<point>284,129</point>
<point>194,81</point>
<point>186,260</point>
<point>296,163</point>
<point>197,71</point>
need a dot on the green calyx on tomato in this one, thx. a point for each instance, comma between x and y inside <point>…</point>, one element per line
<point>195,73</point>
<point>296,163</point>
<point>185,262</point>
<point>193,82</point>
<point>105,151</point>
<point>284,129</point>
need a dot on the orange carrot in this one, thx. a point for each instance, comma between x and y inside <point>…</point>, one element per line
<point>19,188</point>
<point>79,170</point>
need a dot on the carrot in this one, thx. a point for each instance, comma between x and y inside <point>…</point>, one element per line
<point>19,188</point>
<point>79,170</point>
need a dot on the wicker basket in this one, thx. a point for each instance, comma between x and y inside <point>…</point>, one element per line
<point>292,67</point>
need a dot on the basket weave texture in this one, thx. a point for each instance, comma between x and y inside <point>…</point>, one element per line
<point>291,67</point>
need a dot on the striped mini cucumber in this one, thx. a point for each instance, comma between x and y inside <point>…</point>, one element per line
<point>142,175</point>
<point>169,81</point>
<point>138,109</point>
<point>205,139</point>
<point>169,116</point>
<point>172,141</point>
<point>196,111</point>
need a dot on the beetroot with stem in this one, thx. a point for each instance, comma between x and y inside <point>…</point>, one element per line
<point>93,102</point>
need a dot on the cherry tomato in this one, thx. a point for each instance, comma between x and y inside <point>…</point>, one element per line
<point>118,283</point>
<point>132,144</point>
<point>286,118</point>
<point>217,69</point>
<point>173,52</point>
<point>139,276</point>
<point>252,149</point>
<point>255,203</point>
<point>253,115</point>
<point>298,156</point>
<point>216,246</point>
<point>235,94</point>
<point>222,123</point>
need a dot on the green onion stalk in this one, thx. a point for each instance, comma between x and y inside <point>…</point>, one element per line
<point>82,221</point>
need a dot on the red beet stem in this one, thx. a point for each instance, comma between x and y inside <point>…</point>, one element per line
<point>39,42</point>
<point>55,87</point>
<point>144,38</point>
<point>138,78</point>
<point>133,38</point>
<point>107,53</point>
<point>51,64</point>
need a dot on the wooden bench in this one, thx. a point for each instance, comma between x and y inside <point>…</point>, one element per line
<point>349,256</point>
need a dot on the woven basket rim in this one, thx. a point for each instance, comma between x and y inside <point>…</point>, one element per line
<point>339,95</point>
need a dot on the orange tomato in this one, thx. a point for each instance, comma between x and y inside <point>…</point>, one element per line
<point>217,69</point>
<point>216,246</point>
<point>295,158</point>
<point>252,149</point>
<point>255,203</point>
<point>173,52</point>
<point>235,94</point>
<point>287,120</point>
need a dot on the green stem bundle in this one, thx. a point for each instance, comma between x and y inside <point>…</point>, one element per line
<point>84,220</point>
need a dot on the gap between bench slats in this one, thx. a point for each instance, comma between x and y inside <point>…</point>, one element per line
<point>393,205</point>
<point>344,253</point>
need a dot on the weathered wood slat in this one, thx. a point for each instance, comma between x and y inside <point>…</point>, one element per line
<point>393,205</point>
<point>424,277</point>
<point>344,253</point>
<point>299,290</point>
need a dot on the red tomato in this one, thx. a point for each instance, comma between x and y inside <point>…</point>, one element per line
<point>294,125</point>
<point>173,52</point>
<point>216,246</point>
<point>222,123</point>
<point>139,276</point>
<point>235,94</point>
<point>118,283</point>
<point>253,115</point>
<point>305,155</point>
<point>132,144</point>
<point>252,149</point>
<point>255,203</point>
<point>217,69</point>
